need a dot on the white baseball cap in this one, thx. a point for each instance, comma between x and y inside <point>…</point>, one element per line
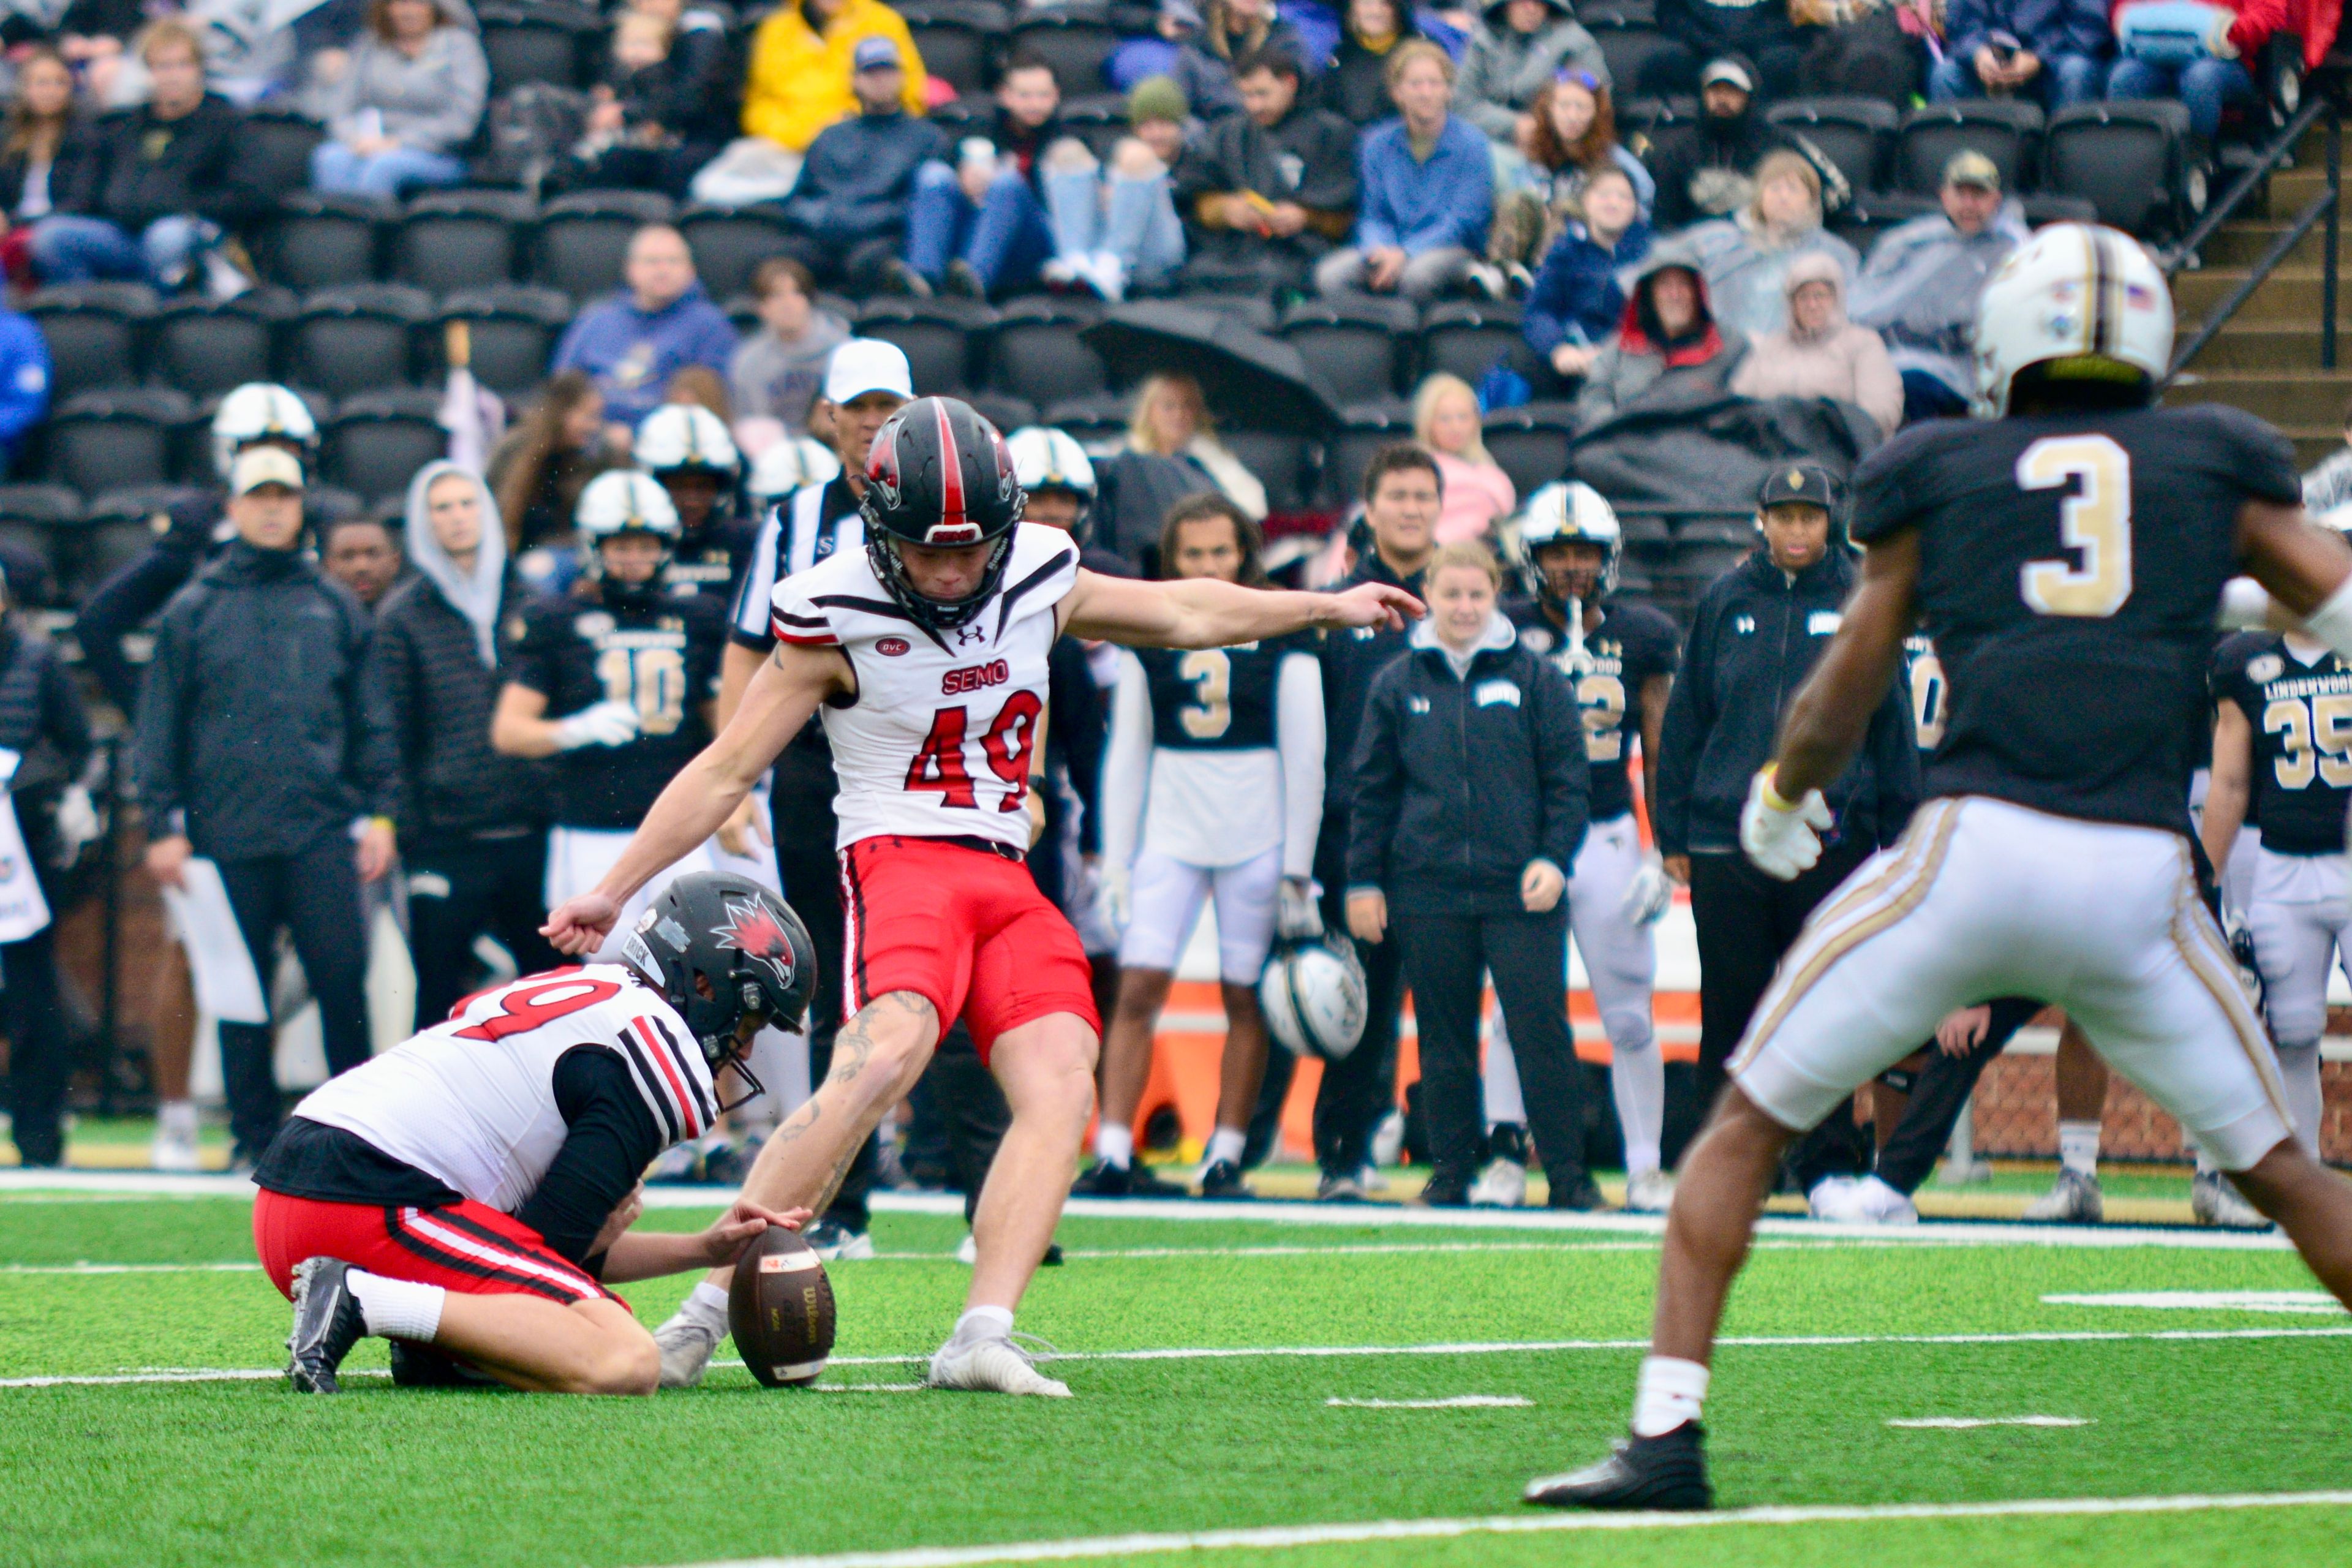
<point>867,365</point>
<point>258,465</point>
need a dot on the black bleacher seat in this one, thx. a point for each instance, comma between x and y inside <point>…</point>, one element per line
<point>1097,119</point>
<point>2006,130</point>
<point>274,148</point>
<point>1096,420</point>
<point>376,441</point>
<point>957,40</point>
<point>2043,208</point>
<point>584,238</point>
<point>514,328</point>
<point>1736,531</point>
<point>729,243</point>
<point>117,528</point>
<point>204,346</point>
<point>1857,134</point>
<point>1469,337</point>
<point>38,522</point>
<point>1034,352</point>
<point>446,240</point>
<point>349,340</point>
<point>317,240</point>
<point>1530,443</point>
<point>2128,159</point>
<point>1696,565</point>
<point>942,339</point>
<point>1007,414</point>
<point>1629,45</point>
<point>1253,310</point>
<point>1074,38</point>
<point>1355,342</point>
<point>1861,221</point>
<point>96,333</point>
<point>960,117</point>
<point>538,40</point>
<point>332,503</point>
<point>1368,427</point>
<point>1284,464</point>
<point>1654,117</point>
<point>101,441</point>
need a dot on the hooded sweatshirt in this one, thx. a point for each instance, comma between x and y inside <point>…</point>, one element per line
<point>436,659</point>
<point>1841,361</point>
<point>1745,262</point>
<point>1577,296</point>
<point>1643,357</point>
<point>1706,169</point>
<point>432,103</point>
<point>1503,68</point>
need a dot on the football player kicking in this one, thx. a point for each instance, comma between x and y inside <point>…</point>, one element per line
<point>1620,661</point>
<point>926,652</point>
<point>469,1194</point>
<point>2068,559</point>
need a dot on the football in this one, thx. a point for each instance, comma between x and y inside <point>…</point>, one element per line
<point>780,1310</point>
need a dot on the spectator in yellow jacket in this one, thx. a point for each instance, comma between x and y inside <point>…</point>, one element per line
<point>799,68</point>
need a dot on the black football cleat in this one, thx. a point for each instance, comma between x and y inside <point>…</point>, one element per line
<point>1223,1180</point>
<point>1104,1180</point>
<point>327,1323</point>
<point>1582,1195</point>
<point>1667,1472</point>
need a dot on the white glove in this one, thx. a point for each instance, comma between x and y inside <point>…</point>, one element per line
<point>1649,893</point>
<point>605,724</point>
<point>1297,914</point>
<point>1117,895</point>
<point>1782,839</point>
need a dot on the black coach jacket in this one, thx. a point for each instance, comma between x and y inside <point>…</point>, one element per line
<point>1754,639</point>
<point>1352,658</point>
<point>438,695</point>
<point>1461,781</point>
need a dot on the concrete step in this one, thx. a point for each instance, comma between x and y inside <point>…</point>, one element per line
<point>2291,190</point>
<point>2266,345</point>
<point>2301,399</point>
<point>2288,297</point>
<point>2241,244</point>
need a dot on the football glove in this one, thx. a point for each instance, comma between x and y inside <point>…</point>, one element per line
<point>1296,916</point>
<point>78,820</point>
<point>1783,839</point>
<point>605,724</point>
<point>1649,893</point>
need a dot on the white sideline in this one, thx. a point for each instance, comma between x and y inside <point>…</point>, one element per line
<point>1455,1402</point>
<point>1970,1422</point>
<point>1278,1536</point>
<point>1320,1353</point>
<point>1385,1216</point>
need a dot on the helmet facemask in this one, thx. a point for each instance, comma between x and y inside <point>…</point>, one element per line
<point>937,614</point>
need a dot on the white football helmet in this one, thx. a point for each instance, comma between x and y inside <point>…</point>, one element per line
<point>789,464</point>
<point>1567,511</point>
<point>2075,292</point>
<point>1314,997</point>
<point>1047,458</point>
<point>624,501</point>
<point>260,411</point>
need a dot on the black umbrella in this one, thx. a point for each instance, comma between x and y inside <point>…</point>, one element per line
<point>1252,381</point>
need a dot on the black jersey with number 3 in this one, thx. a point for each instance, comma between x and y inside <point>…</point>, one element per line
<point>2300,712</point>
<point>660,657</point>
<point>1216,698</point>
<point>1633,644</point>
<point>2069,569</point>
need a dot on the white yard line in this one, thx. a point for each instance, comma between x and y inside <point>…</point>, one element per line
<point>1279,1536</point>
<point>1458,1402</point>
<point>1970,1422</point>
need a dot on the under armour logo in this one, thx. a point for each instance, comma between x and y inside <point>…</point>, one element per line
<point>1744,624</point>
<point>967,636</point>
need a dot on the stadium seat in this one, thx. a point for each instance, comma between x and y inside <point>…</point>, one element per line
<point>349,340</point>
<point>376,441</point>
<point>320,240</point>
<point>1629,47</point>
<point>95,334</point>
<point>1007,414</point>
<point>729,243</point>
<point>1855,133</point>
<point>1652,117</point>
<point>2043,207</point>
<point>538,40</point>
<point>514,326</point>
<point>1696,567</point>
<point>1872,214</point>
<point>1284,464</point>
<point>1097,421</point>
<point>274,148</point>
<point>1075,39</point>
<point>331,503</point>
<point>1354,341</point>
<point>2126,157</point>
<point>1369,426</point>
<point>1739,532</point>
<point>1530,443</point>
<point>461,239</point>
<point>2005,130</point>
<point>1253,310</point>
<point>584,237</point>
<point>962,117</point>
<point>1470,337</point>
<point>203,346</point>
<point>1035,353</point>
<point>39,523</point>
<point>956,39</point>
<point>103,440</point>
<point>117,528</point>
<point>941,338</point>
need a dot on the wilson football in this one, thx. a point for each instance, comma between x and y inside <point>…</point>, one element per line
<point>780,1310</point>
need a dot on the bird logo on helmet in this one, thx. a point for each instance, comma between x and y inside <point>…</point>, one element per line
<point>940,477</point>
<point>721,947</point>
<point>2077,303</point>
<point>1568,512</point>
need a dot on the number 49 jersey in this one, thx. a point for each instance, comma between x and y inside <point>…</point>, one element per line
<point>936,742</point>
<point>2300,712</point>
<point>2070,570</point>
<point>471,1101</point>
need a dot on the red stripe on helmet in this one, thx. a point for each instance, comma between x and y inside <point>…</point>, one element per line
<point>951,502</point>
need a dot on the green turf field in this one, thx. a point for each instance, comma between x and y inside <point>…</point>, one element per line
<point>1207,1356</point>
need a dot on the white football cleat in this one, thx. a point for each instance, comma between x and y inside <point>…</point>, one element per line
<point>1832,1199</point>
<point>686,1346</point>
<point>990,1366</point>
<point>1502,1185</point>
<point>2215,1202</point>
<point>968,1250</point>
<point>1880,1204</point>
<point>1649,1192</point>
<point>175,1148</point>
<point>2074,1199</point>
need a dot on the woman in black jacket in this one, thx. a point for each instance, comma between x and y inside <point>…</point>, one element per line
<point>45,140</point>
<point>1469,806</point>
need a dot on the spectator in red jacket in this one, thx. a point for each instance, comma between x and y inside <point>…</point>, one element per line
<point>2208,74</point>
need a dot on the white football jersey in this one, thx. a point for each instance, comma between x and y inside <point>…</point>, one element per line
<point>937,742</point>
<point>471,1100</point>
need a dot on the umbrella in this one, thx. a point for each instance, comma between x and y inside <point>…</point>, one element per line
<point>1252,381</point>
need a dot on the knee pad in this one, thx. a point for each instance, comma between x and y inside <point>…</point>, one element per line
<point>1628,1030</point>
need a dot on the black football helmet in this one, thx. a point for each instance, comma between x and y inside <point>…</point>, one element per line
<point>719,947</point>
<point>938,475</point>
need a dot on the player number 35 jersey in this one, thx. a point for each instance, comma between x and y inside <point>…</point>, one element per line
<point>937,741</point>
